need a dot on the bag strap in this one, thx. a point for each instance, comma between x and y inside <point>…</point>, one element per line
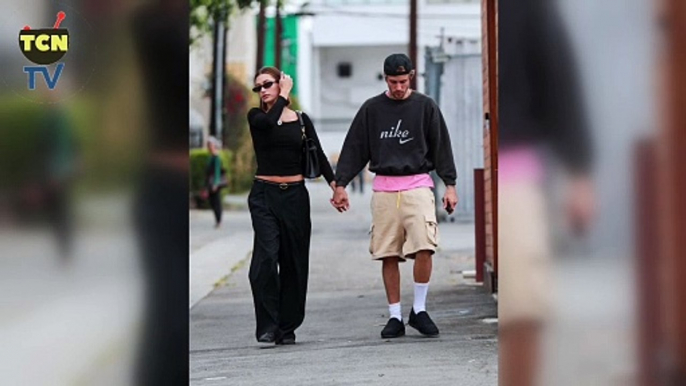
<point>302,123</point>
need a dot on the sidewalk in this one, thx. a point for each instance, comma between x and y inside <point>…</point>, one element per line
<point>215,252</point>
<point>73,323</point>
<point>339,342</point>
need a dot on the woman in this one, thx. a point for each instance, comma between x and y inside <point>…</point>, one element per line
<point>280,210</point>
<point>213,175</point>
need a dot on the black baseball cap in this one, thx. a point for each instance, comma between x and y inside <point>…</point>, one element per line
<point>397,64</point>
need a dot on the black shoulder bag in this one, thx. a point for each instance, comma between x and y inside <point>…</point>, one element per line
<point>311,167</point>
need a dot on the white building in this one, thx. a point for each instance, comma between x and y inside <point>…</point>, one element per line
<point>344,42</point>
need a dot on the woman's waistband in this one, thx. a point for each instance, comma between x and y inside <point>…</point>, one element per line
<point>282,185</point>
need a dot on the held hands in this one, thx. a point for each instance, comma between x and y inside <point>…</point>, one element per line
<point>450,199</point>
<point>340,199</point>
<point>286,85</point>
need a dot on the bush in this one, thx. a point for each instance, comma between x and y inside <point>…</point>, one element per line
<point>20,131</point>
<point>199,159</point>
<point>239,99</point>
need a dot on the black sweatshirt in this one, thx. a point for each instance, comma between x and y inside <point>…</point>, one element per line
<point>279,148</point>
<point>397,138</point>
<point>539,87</point>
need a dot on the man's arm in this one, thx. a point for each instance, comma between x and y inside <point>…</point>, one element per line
<point>355,152</point>
<point>441,148</point>
<point>442,157</point>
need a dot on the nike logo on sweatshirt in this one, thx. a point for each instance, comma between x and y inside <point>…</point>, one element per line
<point>395,132</point>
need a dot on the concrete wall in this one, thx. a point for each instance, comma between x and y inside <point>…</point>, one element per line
<point>462,106</point>
<point>341,97</point>
<point>240,62</point>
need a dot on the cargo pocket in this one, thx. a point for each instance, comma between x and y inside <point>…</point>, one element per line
<point>432,230</point>
<point>371,239</point>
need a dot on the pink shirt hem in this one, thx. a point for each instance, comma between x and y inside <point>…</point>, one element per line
<point>401,183</point>
<point>520,164</point>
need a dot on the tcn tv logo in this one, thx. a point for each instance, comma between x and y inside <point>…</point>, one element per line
<point>44,47</point>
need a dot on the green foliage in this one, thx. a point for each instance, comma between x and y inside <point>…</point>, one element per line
<point>199,159</point>
<point>238,100</point>
<point>203,14</point>
<point>295,103</point>
<point>21,122</point>
<point>27,130</point>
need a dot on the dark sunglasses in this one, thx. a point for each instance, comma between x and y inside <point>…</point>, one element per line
<point>266,85</point>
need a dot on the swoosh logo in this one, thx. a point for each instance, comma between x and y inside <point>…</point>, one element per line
<point>404,141</point>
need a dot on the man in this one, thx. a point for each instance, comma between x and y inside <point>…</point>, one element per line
<point>403,136</point>
<point>542,122</point>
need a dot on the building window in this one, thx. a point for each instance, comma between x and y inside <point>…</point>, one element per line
<point>345,70</point>
<point>196,140</point>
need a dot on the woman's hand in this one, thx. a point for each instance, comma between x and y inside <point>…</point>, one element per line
<point>286,85</point>
<point>332,184</point>
<point>340,199</point>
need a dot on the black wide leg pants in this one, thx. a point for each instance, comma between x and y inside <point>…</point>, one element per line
<point>280,261</point>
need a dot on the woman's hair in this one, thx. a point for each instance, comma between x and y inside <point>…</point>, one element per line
<point>274,73</point>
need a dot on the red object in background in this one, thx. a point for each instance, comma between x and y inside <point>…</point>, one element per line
<point>480,223</point>
<point>60,16</point>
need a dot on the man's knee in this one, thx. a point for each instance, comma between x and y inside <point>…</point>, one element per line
<point>391,261</point>
<point>423,255</point>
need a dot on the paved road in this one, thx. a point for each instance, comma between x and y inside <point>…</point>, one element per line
<point>339,342</point>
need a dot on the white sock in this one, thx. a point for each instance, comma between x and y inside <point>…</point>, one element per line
<point>394,310</point>
<point>420,291</point>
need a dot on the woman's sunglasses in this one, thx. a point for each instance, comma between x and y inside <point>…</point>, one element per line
<point>266,85</point>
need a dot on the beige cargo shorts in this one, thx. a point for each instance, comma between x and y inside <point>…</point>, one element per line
<point>403,223</point>
<point>524,254</point>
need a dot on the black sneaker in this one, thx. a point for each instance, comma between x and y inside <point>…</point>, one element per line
<point>394,328</point>
<point>423,323</point>
<point>288,338</point>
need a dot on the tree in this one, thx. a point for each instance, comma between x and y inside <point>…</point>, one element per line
<point>212,16</point>
<point>204,14</point>
<point>261,23</point>
<point>278,39</point>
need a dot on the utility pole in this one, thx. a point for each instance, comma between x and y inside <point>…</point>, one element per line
<point>219,55</point>
<point>413,40</point>
<point>278,39</point>
<point>223,76</point>
<point>261,24</point>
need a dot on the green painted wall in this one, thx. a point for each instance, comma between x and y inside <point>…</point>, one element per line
<point>289,54</point>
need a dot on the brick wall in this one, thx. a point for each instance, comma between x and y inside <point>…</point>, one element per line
<point>490,100</point>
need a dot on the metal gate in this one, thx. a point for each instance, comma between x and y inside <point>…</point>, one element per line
<point>454,80</point>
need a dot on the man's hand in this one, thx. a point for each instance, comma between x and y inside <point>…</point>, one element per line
<point>340,199</point>
<point>580,204</point>
<point>332,184</point>
<point>450,199</point>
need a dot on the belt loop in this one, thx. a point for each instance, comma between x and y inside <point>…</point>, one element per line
<point>397,202</point>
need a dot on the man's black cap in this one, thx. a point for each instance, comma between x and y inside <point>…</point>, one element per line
<point>397,64</point>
